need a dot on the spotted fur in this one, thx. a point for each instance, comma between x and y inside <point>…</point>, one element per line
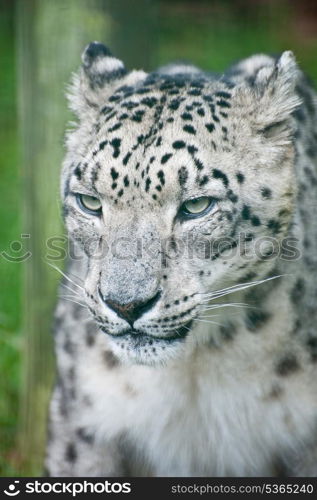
<point>191,347</point>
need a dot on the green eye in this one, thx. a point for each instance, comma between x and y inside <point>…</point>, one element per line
<point>89,204</point>
<point>197,206</point>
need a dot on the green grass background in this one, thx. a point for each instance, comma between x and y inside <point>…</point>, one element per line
<point>10,229</point>
<point>212,34</point>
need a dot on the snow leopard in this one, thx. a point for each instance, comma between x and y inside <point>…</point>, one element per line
<point>185,334</point>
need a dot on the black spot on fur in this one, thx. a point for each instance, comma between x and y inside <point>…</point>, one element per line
<point>274,226</point>
<point>187,116</point>
<point>223,94</point>
<point>298,291</point>
<point>179,144</point>
<point>68,345</point>
<point>192,149</point>
<point>232,196</point>
<point>223,104</point>
<point>114,98</point>
<point>210,127</point>
<point>255,220</point>
<point>110,359</point>
<point>114,174</point>
<point>311,343</point>
<point>126,158</point>
<point>245,212</point>
<point>161,176</point>
<point>126,181</point>
<point>149,101</point>
<point>182,175</point>
<point>78,172</point>
<point>240,177</point>
<point>106,109</point>
<point>248,277</point>
<point>94,173</point>
<point>71,453</point>
<point>137,116</point>
<point>130,104</point>
<point>227,331</point>
<point>166,157</point>
<point>203,180</point>
<point>147,184</point>
<point>218,174</point>
<point>85,435</point>
<point>311,151</point>
<point>115,143</point>
<point>189,129</point>
<point>266,192</point>
<point>198,163</point>
<point>287,365</point>
<point>208,98</point>
<point>299,115</point>
<point>174,104</point>
<point>115,127</point>
<point>255,319</point>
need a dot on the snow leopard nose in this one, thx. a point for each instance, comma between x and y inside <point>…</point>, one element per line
<point>131,311</point>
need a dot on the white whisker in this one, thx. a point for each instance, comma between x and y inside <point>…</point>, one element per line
<point>206,321</point>
<point>218,306</point>
<point>77,277</point>
<point>68,296</point>
<point>69,288</point>
<point>65,275</point>
<point>212,316</point>
<point>76,302</point>
<point>237,288</point>
<point>186,328</point>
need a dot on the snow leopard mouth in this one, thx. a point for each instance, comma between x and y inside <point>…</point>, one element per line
<point>137,339</point>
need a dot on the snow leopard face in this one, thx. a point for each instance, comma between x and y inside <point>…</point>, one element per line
<point>176,185</point>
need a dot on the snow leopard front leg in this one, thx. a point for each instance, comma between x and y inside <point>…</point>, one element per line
<point>73,448</point>
<point>73,452</point>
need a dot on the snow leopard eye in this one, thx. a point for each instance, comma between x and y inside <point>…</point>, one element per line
<point>197,206</point>
<point>89,204</point>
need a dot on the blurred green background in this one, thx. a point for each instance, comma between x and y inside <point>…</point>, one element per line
<point>41,42</point>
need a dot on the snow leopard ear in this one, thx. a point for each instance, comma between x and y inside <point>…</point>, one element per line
<point>268,96</point>
<point>98,75</point>
<point>276,97</point>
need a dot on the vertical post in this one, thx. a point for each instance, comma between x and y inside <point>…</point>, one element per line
<point>51,36</point>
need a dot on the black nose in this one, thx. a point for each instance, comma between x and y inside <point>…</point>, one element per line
<point>131,311</point>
